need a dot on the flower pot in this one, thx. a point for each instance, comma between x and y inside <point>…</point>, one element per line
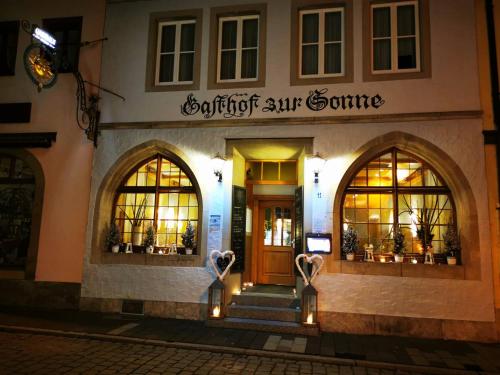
<point>189,251</point>
<point>149,249</point>
<point>398,258</point>
<point>115,249</point>
<point>452,261</point>
<point>137,235</point>
<point>350,256</point>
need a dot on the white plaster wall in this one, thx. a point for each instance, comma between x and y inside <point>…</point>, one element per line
<point>452,87</point>
<point>413,297</point>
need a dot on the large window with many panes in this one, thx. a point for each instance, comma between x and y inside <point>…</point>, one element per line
<point>159,192</point>
<point>397,189</point>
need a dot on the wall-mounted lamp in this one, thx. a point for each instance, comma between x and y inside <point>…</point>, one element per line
<point>317,163</point>
<point>218,163</point>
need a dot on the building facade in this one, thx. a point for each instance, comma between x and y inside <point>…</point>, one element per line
<point>45,159</point>
<point>387,93</point>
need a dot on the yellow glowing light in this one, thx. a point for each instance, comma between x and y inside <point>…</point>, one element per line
<point>309,318</point>
<point>414,261</point>
<point>216,311</point>
<point>382,259</point>
<point>413,225</point>
<point>237,292</point>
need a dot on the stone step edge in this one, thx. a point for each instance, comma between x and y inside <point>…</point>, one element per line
<point>240,351</point>
<point>269,323</point>
<point>267,308</point>
<point>268,295</point>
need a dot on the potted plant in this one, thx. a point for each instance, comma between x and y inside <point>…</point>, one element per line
<point>113,238</point>
<point>149,240</point>
<point>188,238</point>
<point>350,243</point>
<point>139,211</point>
<point>452,246</point>
<point>399,245</point>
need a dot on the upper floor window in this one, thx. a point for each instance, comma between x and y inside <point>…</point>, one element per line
<point>67,32</point>
<point>238,50</point>
<point>395,37</point>
<point>9,32</point>
<point>237,47</point>
<point>322,42</point>
<point>175,53</point>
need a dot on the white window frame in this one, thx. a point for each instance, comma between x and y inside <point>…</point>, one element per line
<point>321,42</point>
<point>394,37</point>
<point>239,48</point>
<point>176,53</point>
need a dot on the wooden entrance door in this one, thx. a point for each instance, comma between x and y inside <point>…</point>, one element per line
<point>275,242</point>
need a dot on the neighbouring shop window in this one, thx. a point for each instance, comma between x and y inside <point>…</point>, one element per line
<point>175,52</point>
<point>160,193</point>
<point>322,42</point>
<point>238,48</point>
<point>67,32</point>
<point>395,37</point>
<point>397,189</point>
<point>17,191</point>
<point>9,33</point>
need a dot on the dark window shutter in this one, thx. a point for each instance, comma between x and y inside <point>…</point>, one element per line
<point>238,223</point>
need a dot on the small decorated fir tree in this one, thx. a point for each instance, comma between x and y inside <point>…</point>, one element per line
<point>188,236</point>
<point>350,241</point>
<point>399,241</point>
<point>149,240</point>
<point>113,237</point>
<point>451,241</point>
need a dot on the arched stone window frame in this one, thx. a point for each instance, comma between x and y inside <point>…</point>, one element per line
<point>36,214</point>
<point>463,197</point>
<point>105,199</point>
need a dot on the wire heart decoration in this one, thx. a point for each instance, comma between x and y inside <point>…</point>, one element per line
<point>317,262</point>
<point>216,254</point>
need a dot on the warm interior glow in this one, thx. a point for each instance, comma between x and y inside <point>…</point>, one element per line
<point>216,311</point>
<point>382,259</point>
<point>237,292</point>
<point>309,318</point>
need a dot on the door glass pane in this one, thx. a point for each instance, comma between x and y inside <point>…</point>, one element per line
<point>249,63</point>
<point>250,33</point>
<point>333,58</point>
<point>186,67</point>
<point>406,20</point>
<point>382,54</point>
<point>268,225</point>
<point>166,68</point>
<point>229,32</point>
<point>228,65</point>
<point>381,22</point>
<point>310,25</point>
<point>287,227</point>
<point>278,226</point>
<point>310,59</point>
<point>187,37</point>
<point>407,54</point>
<point>168,38</point>
<point>333,27</point>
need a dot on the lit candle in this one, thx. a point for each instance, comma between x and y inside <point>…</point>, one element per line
<point>382,259</point>
<point>414,261</point>
<point>160,252</point>
<point>309,318</point>
<point>216,311</point>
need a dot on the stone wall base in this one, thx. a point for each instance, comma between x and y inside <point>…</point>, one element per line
<point>39,294</point>
<point>160,309</point>
<point>365,324</point>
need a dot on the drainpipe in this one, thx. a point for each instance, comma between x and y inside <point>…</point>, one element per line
<point>491,137</point>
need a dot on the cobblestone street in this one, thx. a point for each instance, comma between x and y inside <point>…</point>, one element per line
<point>22,353</point>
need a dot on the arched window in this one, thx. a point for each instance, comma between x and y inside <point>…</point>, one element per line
<point>157,192</point>
<point>397,188</point>
<point>17,193</point>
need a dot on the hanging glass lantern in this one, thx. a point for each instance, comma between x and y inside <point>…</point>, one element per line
<point>309,306</point>
<point>216,300</point>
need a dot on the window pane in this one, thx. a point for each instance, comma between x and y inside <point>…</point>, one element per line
<point>381,22</point>
<point>228,65</point>
<point>278,226</point>
<point>186,67</point>
<point>168,38</point>
<point>166,68</point>
<point>333,27</point>
<point>249,63</point>
<point>267,227</point>
<point>250,33</point>
<point>310,25</point>
<point>407,55</point>
<point>406,20</point>
<point>187,37</point>
<point>382,54</point>
<point>333,58</point>
<point>310,59</point>
<point>229,32</point>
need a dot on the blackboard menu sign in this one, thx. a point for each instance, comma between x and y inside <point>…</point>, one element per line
<point>299,220</point>
<point>238,225</point>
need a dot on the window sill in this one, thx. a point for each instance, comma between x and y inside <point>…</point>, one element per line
<point>431,271</point>
<point>178,260</point>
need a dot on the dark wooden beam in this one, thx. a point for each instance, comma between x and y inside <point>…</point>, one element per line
<point>15,112</point>
<point>28,140</point>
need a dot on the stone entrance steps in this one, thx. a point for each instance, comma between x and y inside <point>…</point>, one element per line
<point>269,312</point>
